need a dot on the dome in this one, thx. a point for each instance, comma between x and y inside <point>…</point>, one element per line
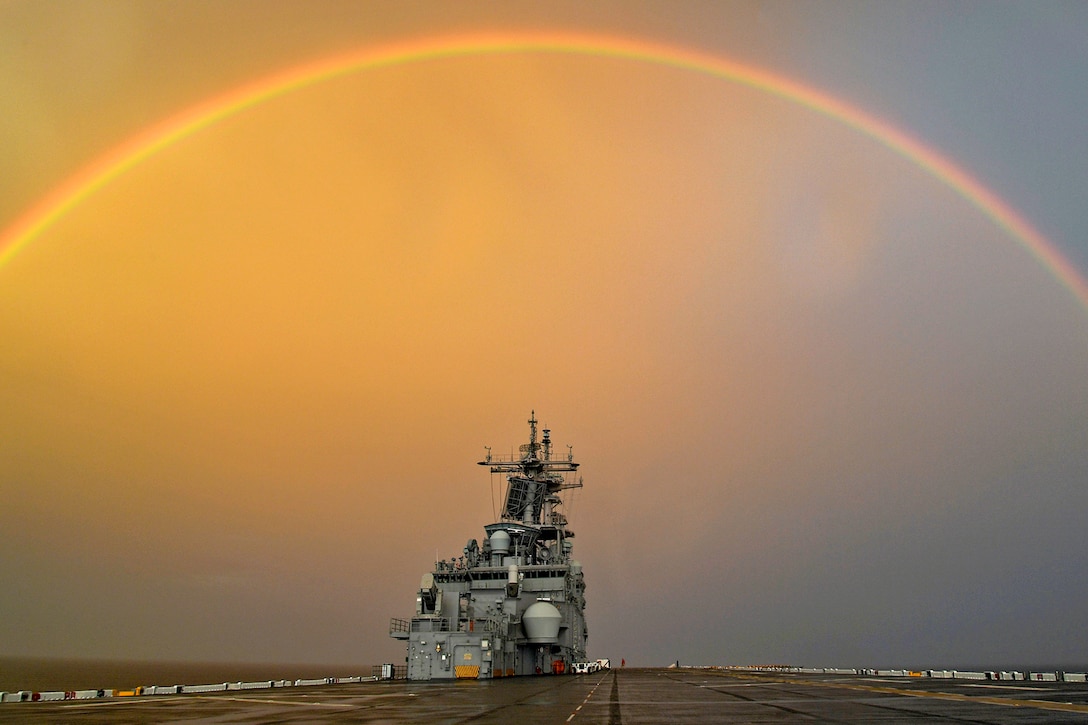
<point>500,542</point>
<point>541,621</point>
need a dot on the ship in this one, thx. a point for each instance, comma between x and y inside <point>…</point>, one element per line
<point>515,603</point>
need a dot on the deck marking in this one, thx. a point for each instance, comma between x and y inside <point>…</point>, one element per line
<point>614,715</point>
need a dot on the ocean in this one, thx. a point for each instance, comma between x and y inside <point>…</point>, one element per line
<point>47,675</point>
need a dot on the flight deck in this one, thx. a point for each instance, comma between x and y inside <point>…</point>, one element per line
<point>612,697</point>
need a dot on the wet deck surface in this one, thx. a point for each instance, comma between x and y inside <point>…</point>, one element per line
<point>630,696</point>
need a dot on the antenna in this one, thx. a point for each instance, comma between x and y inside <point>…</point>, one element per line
<point>532,434</point>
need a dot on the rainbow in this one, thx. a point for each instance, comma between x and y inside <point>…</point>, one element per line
<point>83,184</point>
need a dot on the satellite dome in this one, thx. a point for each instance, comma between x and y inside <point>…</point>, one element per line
<point>541,621</point>
<point>500,542</point>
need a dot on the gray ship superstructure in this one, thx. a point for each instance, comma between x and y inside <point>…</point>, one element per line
<point>515,604</point>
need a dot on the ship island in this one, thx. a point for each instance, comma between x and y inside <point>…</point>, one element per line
<point>515,603</point>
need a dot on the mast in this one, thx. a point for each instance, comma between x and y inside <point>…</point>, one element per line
<point>533,479</point>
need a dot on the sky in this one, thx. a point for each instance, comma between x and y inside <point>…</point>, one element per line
<point>830,410</point>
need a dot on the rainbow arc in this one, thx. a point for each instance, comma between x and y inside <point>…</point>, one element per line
<point>83,184</point>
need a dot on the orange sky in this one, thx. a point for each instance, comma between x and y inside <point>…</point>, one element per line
<point>245,384</point>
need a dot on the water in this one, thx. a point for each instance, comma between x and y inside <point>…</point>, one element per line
<point>47,675</point>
